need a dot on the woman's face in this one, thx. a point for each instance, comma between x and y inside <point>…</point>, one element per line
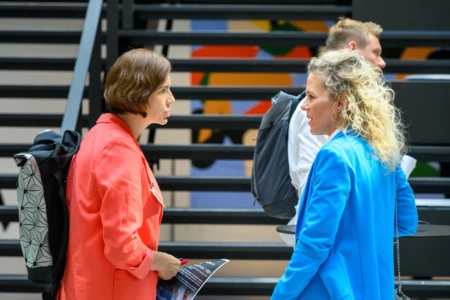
<point>319,108</point>
<point>158,110</point>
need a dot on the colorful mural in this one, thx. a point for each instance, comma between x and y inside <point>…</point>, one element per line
<point>240,168</point>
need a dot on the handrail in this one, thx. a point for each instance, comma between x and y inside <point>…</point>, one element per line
<point>220,151</point>
<point>82,64</point>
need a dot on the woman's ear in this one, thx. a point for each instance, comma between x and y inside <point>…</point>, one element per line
<point>339,104</point>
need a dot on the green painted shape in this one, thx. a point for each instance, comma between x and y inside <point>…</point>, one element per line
<point>205,81</point>
<point>280,50</point>
<point>423,169</point>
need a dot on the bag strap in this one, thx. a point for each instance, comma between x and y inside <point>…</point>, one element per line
<point>295,101</point>
<point>399,291</point>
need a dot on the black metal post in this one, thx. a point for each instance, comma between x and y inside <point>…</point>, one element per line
<point>95,97</point>
<point>112,36</point>
<point>127,14</point>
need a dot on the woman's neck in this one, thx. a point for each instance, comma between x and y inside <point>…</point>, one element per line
<point>136,122</point>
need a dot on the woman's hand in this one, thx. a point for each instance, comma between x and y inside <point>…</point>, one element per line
<point>166,265</point>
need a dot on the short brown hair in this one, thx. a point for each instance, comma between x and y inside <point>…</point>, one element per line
<point>135,75</point>
<point>347,30</point>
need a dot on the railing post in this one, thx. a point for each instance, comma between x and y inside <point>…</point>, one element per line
<point>127,14</point>
<point>95,92</point>
<point>112,37</point>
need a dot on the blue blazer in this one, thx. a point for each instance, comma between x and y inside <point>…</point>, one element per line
<point>345,226</point>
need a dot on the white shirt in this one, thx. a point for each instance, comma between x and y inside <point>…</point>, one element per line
<point>302,150</point>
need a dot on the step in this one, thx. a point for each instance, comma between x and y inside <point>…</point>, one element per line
<point>242,183</point>
<point>38,10</point>
<point>183,11</point>
<point>230,286</point>
<point>37,91</point>
<point>244,286</point>
<point>197,250</point>
<point>39,63</point>
<point>219,2</point>
<point>411,248</point>
<point>42,36</point>
<point>195,121</point>
<point>229,65</point>
<point>406,90</point>
<point>175,215</point>
<point>221,151</point>
<point>299,65</point>
<point>257,2</point>
<point>279,38</point>
<point>437,215</point>
<point>241,12</point>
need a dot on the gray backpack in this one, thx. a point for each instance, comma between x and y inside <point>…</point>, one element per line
<point>271,183</point>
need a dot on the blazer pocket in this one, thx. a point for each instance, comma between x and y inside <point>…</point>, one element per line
<point>335,278</point>
<point>122,280</point>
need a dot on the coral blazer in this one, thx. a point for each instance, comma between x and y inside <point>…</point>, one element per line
<point>115,209</point>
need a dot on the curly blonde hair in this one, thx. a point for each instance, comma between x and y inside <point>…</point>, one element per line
<point>368,102</point>
<point>347,30</point>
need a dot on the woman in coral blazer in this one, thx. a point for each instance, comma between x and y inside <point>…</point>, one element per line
<point>115,205</point>
<point>345,229</point>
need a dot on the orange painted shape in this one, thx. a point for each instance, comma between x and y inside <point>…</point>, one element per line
<point>259,109</point>
<point>417,53</point>
<point>196,78</point>
<point>317,26</point>
<point>217,107</point>
<point>226,51</point>
<point>250,79</point>
<point>204,135</point>
<point>414,53</point>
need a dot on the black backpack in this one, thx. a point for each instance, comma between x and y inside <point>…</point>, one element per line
<point>43,214</point>
<point>271,183</point>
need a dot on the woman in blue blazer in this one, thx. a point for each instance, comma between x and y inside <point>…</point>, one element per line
<point>345,228</point>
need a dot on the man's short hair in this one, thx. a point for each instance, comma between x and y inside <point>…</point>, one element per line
<point>347,30</point>
<point>133,78</point>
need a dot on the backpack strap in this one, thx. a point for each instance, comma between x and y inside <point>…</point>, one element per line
<point>295,101</point>
<point>70,144</point>
<point>294,104</point>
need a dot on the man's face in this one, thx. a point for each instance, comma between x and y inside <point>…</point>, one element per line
<point>372,52</point>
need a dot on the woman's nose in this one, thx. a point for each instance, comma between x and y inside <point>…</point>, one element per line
<point>172,98</point>
<point>304,106</point>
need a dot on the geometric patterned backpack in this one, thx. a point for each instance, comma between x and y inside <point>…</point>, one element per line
<point>43,215</point>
